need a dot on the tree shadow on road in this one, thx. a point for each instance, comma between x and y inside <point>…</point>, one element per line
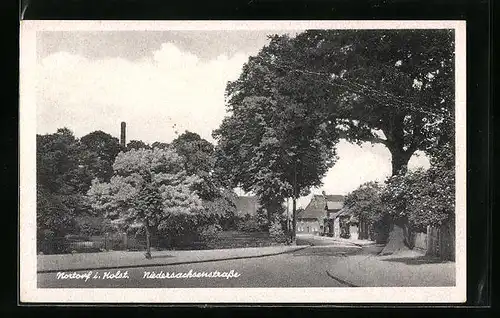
<point>420,260</point>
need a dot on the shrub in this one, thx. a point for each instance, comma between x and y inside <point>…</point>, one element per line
<point>91,226</point>
<point>208,233</point>
<point>177,231</point>
<point>250,224</point>
<point>276,232</point>
<point>422,197</point>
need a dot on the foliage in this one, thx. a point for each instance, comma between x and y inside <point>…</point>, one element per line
<point>394,87</point>
<point>365,202</point>
<point>196,151</point>
<point>179,230</point>
<point>276,232</point>
<point>94,226</point>
<point>161,145</point>
<point>198,160</point>
<point>254,223</point>
<point>422,197</point>
<point>222,206</point>
<point>65,169</point>
<point>218,201</point>
<point>147,186</point>
<point>60,184</point>
<point>57,162</point>
<point>98,153</point>
<point>67,165</point>
<point>54,218</point>
<point>137,144</point>
<point>265,145</point>
<point>209,233</point>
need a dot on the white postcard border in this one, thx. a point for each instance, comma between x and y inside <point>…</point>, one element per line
<point>27,194</point>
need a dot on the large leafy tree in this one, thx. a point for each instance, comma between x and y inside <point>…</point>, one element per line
<point>58,162</point>
<point>271,145</point>
<point>59,184</point>
<point>199,160</point>
<point>423,197</point>
<point>98,153</point>
<point>148,187</point>
<point>394,87</point>
<point>54,217</point>
<point>196,151</point>
<point>365,202</point>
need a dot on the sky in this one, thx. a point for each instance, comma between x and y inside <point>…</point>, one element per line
<point>162,84</point>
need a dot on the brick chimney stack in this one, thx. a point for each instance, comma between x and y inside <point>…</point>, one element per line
<point>123,141</point>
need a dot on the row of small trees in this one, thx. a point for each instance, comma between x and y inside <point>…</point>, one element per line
<point>418,198</point>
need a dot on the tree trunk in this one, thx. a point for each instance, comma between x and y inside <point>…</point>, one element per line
<point>399,160</point>
<point>400,237</point>
<point>294,221</point>
<point>272,208</point>
<point>148,241</point>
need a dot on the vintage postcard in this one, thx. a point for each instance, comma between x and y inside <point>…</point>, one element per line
<point>242,162</point>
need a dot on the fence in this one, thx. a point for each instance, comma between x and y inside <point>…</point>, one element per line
<point>65,245</point>
<point>441,241</point>
<point>438,241</point>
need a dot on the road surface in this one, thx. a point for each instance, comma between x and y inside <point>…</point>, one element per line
<point>303,268</point>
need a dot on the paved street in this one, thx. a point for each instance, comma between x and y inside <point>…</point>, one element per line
<point>303,268</point>
<point>326,263</point>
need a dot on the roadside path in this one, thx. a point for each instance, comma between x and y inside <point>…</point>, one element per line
<point>125,259</point>
<point>411,268</point>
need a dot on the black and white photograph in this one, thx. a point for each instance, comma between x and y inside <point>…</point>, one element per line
<point>248,161</point>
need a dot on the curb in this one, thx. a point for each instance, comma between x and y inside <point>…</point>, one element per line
<point>348,242</point>
<point>162,264</point>
<point>349,284</point>
<point>335,245</point>
<point>357,244</point>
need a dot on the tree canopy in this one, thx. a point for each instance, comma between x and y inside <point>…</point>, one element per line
<point>138,169</point>
<point>58,162</point>
<point>199,160</point>
<point>365,202</point>
<point>299,95</point>
<point>272,146</point>
<point>148,187</point>
<point>137,144</point>
<point>98,153</point>
<point>394,87</point>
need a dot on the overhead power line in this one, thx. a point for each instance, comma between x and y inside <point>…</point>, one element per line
<point>382,97</point>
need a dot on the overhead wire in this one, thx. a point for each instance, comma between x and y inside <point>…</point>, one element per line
<point>381,97</point>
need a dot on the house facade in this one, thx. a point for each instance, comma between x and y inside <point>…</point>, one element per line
<point>339,222</point>
<point>315,218</point>
<point>333,207</point>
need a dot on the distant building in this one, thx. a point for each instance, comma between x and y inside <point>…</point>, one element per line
<point>312,218</point>
<point>333,210</point>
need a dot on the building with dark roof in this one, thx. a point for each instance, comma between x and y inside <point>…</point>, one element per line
<point>323,206</point>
